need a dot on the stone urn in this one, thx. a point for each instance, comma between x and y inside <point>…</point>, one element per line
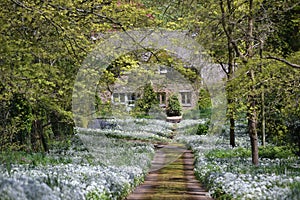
<point>173,110</point>
<point>174,119</point>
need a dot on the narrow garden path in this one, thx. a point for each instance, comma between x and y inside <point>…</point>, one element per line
<point>171,177</point>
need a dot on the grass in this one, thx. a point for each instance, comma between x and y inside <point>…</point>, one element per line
<point>171,182</point>
<point>18,157</point>
<point>271,152</point>
<point>229,153</point>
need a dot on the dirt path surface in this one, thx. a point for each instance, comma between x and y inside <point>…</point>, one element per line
<point>171,177</point>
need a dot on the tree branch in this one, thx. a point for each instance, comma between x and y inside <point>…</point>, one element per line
<point>283,61</point>
<point>223,68</point>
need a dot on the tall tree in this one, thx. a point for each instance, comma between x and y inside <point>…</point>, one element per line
<point>241,34</point>
<point>42,46</point>
<point>228,29</point>
<point>247,26</point>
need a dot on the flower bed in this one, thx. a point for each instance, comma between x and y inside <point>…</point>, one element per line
<point>110,169</point>
<point>113,165</point>
<point>108,166</point>
<point>234,177</point>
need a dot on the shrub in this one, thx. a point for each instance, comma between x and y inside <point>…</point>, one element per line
<point>203,128</point>
<point>204,101</point>
<point>273,152</point>
<point>144,104</point>
<point>229,153</point>
<point>173,106</point>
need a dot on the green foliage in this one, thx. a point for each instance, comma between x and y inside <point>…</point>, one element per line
<point>285,37</point>
<point>175,15</point>
<point>271,152</point>
<point>38,65</point>
<point>203,128</point>
<point>33,159</point>
<point>282,110</point>
<point>42,47</point>
<point>197,114</point>
<point>189,73</point>
<point>96,195</point>
<point>62,143</point>
<point>279,86</point>
<point>103,108</point>
<point>147,101</point>
<point>293,136</point>
<point>43,44</point>
<point>204,101</point>
<point>229,153</point>
<point>173,106</point>
<point>125,15</point>
<point>122,65</point>
<point>191,114</point>
<point>274,152</point>
<point>52,181</point>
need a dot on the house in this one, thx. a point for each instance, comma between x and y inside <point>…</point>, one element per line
<point>164,80</point>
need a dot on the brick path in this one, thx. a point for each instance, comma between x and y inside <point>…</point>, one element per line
<point>171,177</point>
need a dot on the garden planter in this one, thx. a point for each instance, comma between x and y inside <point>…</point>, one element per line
<point>174,119</point>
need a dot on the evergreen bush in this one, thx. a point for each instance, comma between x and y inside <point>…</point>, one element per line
<point>146,102</point>
<point>173,106</point>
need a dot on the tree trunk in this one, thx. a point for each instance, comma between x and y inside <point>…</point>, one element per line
<point>38,139</point>
<point>230,98</point>
<point>228,29</point>
<point>232,133</point>
<point>263,123</point>
<point>253,137</point>
<point>55,126</point>
<point>252,115</point>
<point>231,118</point>
<point>59,126</point>
<point>252,121</point>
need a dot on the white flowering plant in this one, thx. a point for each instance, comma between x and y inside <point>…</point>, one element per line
<point>108,168</point>
<point>113,161</point>
<point>228,173</point>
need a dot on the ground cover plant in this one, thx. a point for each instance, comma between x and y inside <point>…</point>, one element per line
<point>108,169</point>
<point>114,161</point>
<point>228,174</point>
<point>73,180</point>
<point>95,164</point>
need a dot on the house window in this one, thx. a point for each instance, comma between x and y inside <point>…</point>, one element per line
<point>119,98</point>
<point>131,98</point>
<point>163,70</point>
<point>186,98</point>
<point>124,98</point>
<point>161,97</point>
